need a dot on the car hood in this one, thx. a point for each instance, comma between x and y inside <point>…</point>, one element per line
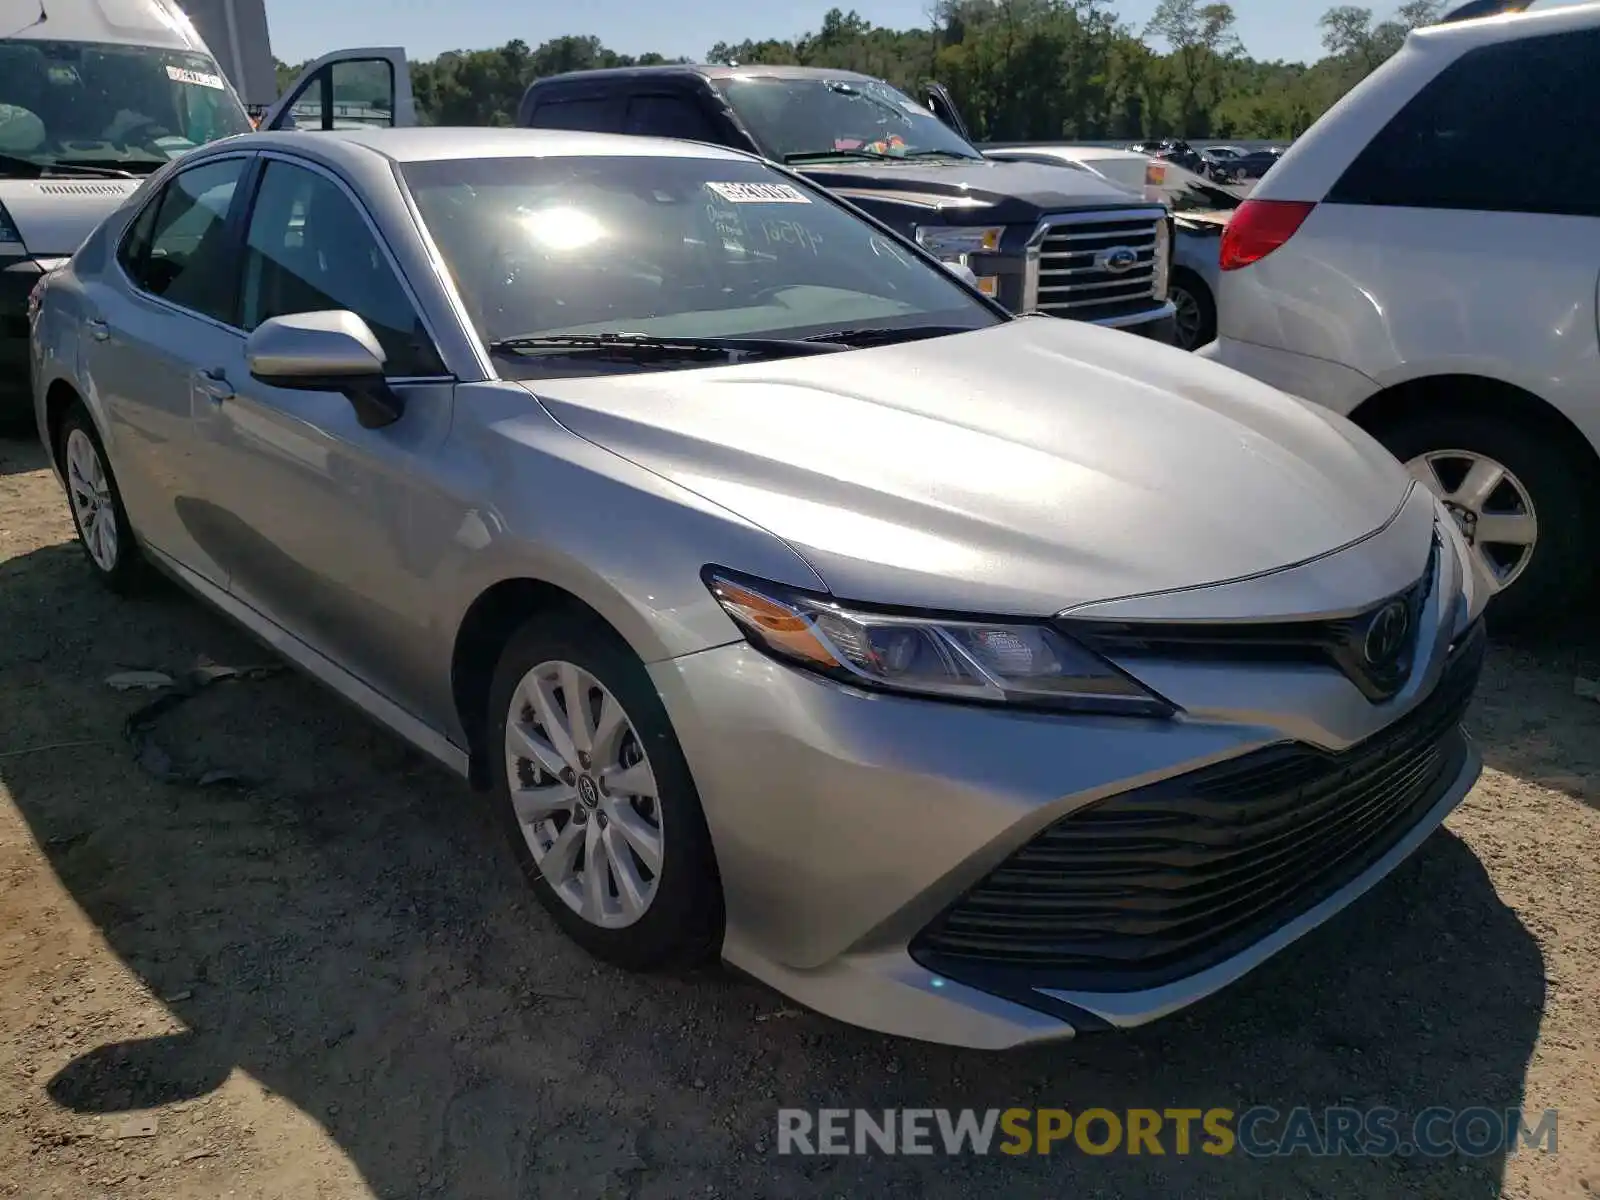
<point>55,215</point>
<point>1026,468</point>
<point>978,191</point>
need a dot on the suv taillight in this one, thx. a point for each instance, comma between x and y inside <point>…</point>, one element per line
<point>1258,227</point>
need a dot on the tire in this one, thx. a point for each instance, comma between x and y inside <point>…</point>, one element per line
<point>1197,327</point>
<point>111,550</point>
<point>682,924</point>
<point>1560,566</point>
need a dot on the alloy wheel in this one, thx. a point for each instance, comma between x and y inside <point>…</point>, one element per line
<point>93,510</point>
<point>584,794</point>
<point>1491,507</point>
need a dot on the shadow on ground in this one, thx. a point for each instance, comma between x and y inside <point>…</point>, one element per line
<point>20,451</point>
<point>352,934</point>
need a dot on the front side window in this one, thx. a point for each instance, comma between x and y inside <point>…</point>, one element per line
<point>669,117</point>
<point>671,247</point>
<point>346,94</point>
<point>126,108</point>
<point>188,260</point>
<point>798,119</point>
<point>594,115</point>
<point>1493,133</point>
<point>308,249</point>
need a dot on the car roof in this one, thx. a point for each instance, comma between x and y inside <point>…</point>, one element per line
<point>708,71</point>
<point>433,143</point>
<point>1505,27</point>
<point>159,24</point>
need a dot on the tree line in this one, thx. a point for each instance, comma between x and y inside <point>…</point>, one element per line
<point>1018,69</point>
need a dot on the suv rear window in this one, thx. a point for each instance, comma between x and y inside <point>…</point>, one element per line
<point>1493,132</point>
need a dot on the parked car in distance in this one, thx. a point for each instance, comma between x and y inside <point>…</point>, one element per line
<point>1200,210</point>
<point>1382,270</point>
<point>684,511</point>
<point>1252,165</point>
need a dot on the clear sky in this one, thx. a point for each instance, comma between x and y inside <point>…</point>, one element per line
<point>303,29</point>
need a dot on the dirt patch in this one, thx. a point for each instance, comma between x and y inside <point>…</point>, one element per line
<point>330,982</point>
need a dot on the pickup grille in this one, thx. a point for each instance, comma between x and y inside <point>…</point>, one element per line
<point>1072,278</point>
<point>1155,884</point>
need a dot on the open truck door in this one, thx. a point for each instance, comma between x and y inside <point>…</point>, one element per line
<point>943,106</point>
<point>348,89</point>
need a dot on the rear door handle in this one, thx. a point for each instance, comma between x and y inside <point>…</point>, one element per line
<point>214,384</point>
<point>98,329</point>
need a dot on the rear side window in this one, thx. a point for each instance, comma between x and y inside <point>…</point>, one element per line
<point>593,115</point>
<point>670,117</point>
<point>1493,132</point>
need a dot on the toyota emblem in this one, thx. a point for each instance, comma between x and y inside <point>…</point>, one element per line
<point>1387,634</point>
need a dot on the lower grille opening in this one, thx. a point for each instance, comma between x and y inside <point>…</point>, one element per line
<point>1153,885</point>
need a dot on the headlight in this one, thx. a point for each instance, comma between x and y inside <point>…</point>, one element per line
<point>1161,270</point>
<point>954,241</point>
<point>973,660</point>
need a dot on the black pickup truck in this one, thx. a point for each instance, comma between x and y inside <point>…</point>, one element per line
<point>1038,238</point>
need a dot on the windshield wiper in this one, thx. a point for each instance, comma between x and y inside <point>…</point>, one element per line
<point>32,168</point>
<point>956,154</point>
<point>883,337</point>
<point>824,154</point>
<point>643,345</point>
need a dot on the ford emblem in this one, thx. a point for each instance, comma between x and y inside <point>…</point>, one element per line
<point>1118,260</point>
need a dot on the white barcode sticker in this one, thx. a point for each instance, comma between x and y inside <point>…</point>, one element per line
<point>200,78</point>
<point>759,193</point>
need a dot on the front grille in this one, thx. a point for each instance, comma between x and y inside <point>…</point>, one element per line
<point>1344,643</point>
<point>1156,884</point>
<point>1072,278</point>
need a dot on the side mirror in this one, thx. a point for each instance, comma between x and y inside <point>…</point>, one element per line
<point>325,352</point>
<point>962,272</point>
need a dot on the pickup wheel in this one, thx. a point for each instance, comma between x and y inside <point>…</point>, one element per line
<point>1521,498</point>
<point>1195,323</point>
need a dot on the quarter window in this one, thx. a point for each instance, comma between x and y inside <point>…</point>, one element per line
<point>308,249</point>
<point>1493,132</point>
<point>188,259</point>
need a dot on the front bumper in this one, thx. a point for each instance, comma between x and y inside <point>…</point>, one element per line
<point>848,826</point>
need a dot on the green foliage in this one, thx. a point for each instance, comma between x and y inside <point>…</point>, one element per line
<point>1019,69</point>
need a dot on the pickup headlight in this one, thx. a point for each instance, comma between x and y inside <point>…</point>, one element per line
<point>1161,270</point>
<point>954,242</point>
<point>996,662</point>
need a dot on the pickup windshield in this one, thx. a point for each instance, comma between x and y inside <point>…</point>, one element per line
<point>90,105</point>
<point>633,248</point>
<point>796,119</point>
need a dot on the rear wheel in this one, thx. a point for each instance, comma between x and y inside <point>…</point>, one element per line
<point>96,504</point>
<point>597,800</point>
<point>1521,499</point>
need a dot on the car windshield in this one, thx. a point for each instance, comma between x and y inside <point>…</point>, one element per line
<point>794,119</point>
<point>670,247</point>
<point>129,108</point>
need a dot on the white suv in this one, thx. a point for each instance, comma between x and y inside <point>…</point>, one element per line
<point>1426,260</point>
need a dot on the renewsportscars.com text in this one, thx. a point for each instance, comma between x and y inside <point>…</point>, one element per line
<point>1259,1132</point>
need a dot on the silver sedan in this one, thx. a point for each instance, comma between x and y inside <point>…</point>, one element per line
<point>977,679</point>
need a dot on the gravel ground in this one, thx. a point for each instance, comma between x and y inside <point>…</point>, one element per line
<point>332,983</point>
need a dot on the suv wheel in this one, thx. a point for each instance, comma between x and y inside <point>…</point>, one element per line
<point>1519,497</point>
<point>597,800</point>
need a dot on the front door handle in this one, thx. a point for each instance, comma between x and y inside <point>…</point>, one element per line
<point>98,329</point>
<point>214,384</point>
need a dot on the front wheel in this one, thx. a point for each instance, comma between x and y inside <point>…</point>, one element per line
<point>1520,498</point>
<point>597,800</point>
